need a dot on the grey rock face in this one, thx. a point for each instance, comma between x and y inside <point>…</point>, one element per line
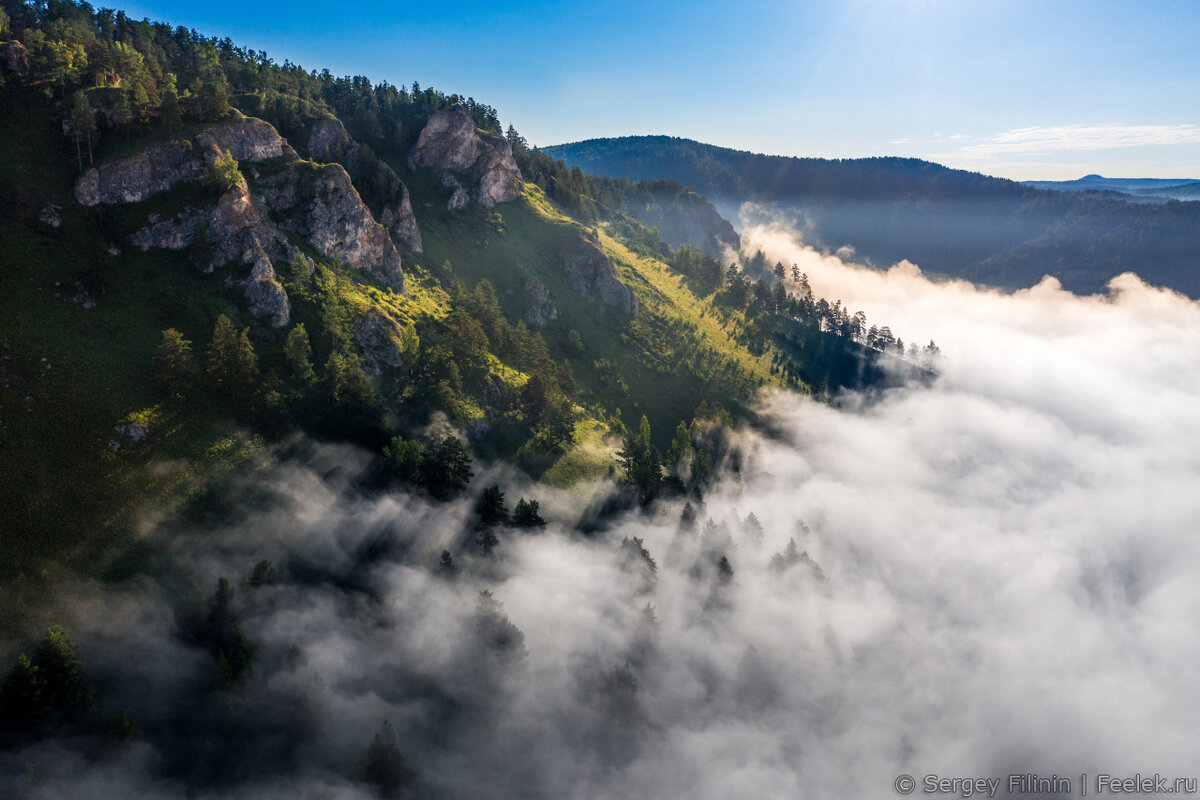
<point>541,310</point>
<point>400,220</point>
<point>329,141</point>
<point>321,205</point>
<point>379,338</point>
<point>451,142</point>
<point>266,295</point>
<point>327,136</point>
<point>458,197</point>
<point>591,273</point>
<point>237,229</point>
<point>51,215</point>
<point>156,169</point>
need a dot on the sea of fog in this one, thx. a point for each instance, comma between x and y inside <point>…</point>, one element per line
<point>998,575</point>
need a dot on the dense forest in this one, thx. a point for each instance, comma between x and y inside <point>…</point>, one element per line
<point>950,222</point>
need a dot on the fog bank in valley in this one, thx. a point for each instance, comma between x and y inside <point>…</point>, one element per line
<point>991,574</point>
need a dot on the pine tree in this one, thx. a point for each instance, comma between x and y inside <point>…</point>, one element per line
<point>446,468</point>
<point>83,125</point>
<point>526,514</point>
<point>298,352</point>
<point>175,364</point>
<point>490,507</point>
<point>403,460</point>
<point>680,450</point>
<point>245,364</point>
<point>643,471</point>
<point>224,172</point>
<point>724,570</point>
<point>446,567</point>
<point>222,356</point>
<point>349,386</point>
<point>385,766</point>
<point>51,684</point>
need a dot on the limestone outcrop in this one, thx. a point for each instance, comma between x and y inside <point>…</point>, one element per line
<point>320,204</point>
<point>380,340</point>
<point>589,271</point>
<point>329,141</point>
<point>450,142</point>
<point>400,220</point>
<point>316,204</point>
<point>156,169</point>
<point>541,311</point>
<point>458,193</point>
<point>237,229</point>
<point>326,138</point>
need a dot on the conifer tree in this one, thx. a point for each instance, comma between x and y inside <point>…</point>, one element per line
<point>174,362</point>
<point>245,364</point>
<point>527,514</point>
<point>297,350</point>
<point>222,355</point>
<point>643,470</point>
<point>490,507</point>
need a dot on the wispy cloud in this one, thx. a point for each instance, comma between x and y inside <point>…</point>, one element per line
<point>1053,139</point>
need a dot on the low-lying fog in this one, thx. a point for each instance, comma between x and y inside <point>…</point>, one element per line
<point>1000,576</point>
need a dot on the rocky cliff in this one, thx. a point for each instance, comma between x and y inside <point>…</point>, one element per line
<point>328,140</point>
<point>400,220</point>
<point>236,229</point>
<point>450,142</point>
<point>156,169</point>
<point>316,204</point>
<point>589,271</point>
<point>320,204</point>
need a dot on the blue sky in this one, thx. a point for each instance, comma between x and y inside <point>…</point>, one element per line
<point>1013,88</point>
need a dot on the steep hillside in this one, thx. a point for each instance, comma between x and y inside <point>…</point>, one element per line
<point>949,221</point>
<point>203,253</point>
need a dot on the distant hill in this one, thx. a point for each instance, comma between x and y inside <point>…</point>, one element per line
<point>1131,189</point>
<point>951,222</point>
<point>719,172</point>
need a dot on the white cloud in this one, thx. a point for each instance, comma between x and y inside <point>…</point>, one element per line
<point>1040,140</point>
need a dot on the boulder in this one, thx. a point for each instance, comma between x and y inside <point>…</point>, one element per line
<point>379,338</point>
<point>266,295</point>
<point>458,193</point>
<point>14,58</point>
<point>541,310</point>
<point>51,215</point>
<point>589,271</point>
<point>451,142</point>
<point>327,137</point>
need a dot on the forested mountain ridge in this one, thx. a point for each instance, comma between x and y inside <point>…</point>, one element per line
<point>1140,190</point>
<point>721,172</point>
<point>950,222</point>
<point>266,251</point>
